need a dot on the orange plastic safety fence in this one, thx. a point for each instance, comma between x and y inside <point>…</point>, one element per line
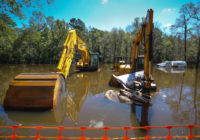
<point>104,137</point>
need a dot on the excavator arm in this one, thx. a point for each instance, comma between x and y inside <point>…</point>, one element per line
<point>136,42</point>
<point>67,53</point>
<point>145,32</point>
<point>85,57</point>
<point>148,47</point>
<point>72,43</point>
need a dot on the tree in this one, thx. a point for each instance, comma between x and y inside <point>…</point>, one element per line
<point>59,30</point>
<point>158,55</point>
<point>37,21</point>
<point>189,15</point>
<point>12,38</point>
<point>198,52</point>
<point>7,38</point>
<point>121,45</point>
<point>136,24</point>
<point>128,45</point>
<point>41,40</point>
<point>194,12</point>
<point>182,22</point>
<point>106,47</point>
<point>7,19</point>
<point>80,28</point>
<point>96,40</point>
<point>114,34</point>
<point>16,7</point>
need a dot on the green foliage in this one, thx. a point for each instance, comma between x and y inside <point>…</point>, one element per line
<point>41,41</point>
<point>7,19</point>
<point>187,23</point>
<point>7,37</point>
<point>15,7</point>
<point>79,26</point>
<point>33,44</point>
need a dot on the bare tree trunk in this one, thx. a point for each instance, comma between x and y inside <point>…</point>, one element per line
<point>115,47</point>
<point>104,52</point>
<point>126,53</point>
<point>198,55</point>
<point>181,90</point>
<point>179,49</point>
<point>114,51</point>
<point>185,43</point>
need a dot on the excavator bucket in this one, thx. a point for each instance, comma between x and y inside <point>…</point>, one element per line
<point>35,91</point>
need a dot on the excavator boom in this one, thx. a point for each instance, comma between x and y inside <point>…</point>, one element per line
<point>88,61</point>
<point>67,53</point>
<point>85,58</point>
<point>148,47</point>
<point>145,32</point>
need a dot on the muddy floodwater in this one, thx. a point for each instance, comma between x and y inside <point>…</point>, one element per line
<point>175,102</point>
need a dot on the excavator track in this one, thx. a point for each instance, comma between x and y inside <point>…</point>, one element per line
<point>35,91</point>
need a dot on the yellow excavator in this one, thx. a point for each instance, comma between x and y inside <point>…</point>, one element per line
<point>44,90</point>
<point>145,32</point>
<point>88,61</point>
<point>118,60</point>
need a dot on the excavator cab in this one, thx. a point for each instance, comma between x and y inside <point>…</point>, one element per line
<point>92,65</point>
<point>119,60</point>
<point>94,61</point>
<point>140,63</point>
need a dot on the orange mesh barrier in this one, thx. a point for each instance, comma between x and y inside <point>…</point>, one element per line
<point>105,129</point>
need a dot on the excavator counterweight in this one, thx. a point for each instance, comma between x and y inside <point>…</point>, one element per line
<point>34,91</point>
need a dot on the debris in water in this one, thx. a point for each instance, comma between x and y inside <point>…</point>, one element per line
<point>125,99</point>
<point>132,88</point>
<point>96,124</point>
<point>112,95</point>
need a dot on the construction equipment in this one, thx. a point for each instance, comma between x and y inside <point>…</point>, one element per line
<point>118,60</point>
<point>44,90</point>
<point>145,32</point>
<point>88,61</point>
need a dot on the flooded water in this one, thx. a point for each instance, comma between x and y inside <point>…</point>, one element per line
<point>175,102</point>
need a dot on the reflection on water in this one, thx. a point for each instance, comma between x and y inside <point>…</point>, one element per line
<point>195,97</point>
<point>139,117</point>
<point>179,93</point>
<point>141,113</point>
<point>53,117</point>
<point>72,109</point>
<point>76,96</point>
<point>174,103</point>
<point>172,69</point>
<point>79,86</point>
